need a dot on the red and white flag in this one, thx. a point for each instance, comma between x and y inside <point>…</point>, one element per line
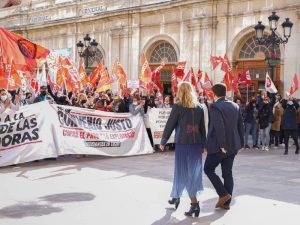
<point>295,84</point>
<point>269,85</point>
<point>245,78</point>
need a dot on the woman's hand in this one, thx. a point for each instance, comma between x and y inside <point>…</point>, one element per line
<point>162,148</point>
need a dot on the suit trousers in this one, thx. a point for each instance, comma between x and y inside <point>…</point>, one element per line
<point>211,163</point>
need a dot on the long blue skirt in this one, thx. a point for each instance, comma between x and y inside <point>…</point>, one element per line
<point>188,170</point>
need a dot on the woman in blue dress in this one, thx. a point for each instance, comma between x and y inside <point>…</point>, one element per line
<point>187,118</point>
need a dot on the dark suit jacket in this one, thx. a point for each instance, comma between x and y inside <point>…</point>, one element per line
<point>226,129</point>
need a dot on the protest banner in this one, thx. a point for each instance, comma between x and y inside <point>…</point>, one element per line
<point>158,118</point>
<point>45,130</point>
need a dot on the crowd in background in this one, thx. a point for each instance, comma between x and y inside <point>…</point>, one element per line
<point>270,119</point>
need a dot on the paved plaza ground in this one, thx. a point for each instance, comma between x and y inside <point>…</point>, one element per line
<point>135,190</point>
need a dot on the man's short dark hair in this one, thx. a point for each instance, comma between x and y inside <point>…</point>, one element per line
<point>219,90</point>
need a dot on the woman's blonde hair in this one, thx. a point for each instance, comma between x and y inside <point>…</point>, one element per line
<point>186,96</point>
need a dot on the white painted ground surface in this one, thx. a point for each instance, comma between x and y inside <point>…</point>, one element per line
<point>79,192</point>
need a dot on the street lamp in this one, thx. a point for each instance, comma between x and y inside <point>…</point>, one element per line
<point>273,39</point>
<point>87,49</point>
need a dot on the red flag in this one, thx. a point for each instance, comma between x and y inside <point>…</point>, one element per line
<point>235,84</point>
<point>23,51</point>
<point>155,78</point>
<point>199,74</point>
<point>174,82</point>
<point>96,74</point>
<point>215,61</point>
<point>119,73</point>
<point>225,64</point>
<point>227,81</point>
<point>245,78</point>
<point>146,74</point>
<point>295,84</point>
<point>14,80</point>
<point>207,79</point>
<point>82,75</point>
<point>142,85</point>
<point>188,76</point>
<point>150,88</point>
<point>179,70</point>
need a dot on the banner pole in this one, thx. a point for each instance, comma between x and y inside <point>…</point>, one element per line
<point>247,93</point>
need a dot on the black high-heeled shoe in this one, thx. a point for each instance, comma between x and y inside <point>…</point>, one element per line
<point>195,209</point>
<point>174,201</point>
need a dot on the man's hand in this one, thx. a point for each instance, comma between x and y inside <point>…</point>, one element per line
<point>162,148</point>
<point>223,150</point>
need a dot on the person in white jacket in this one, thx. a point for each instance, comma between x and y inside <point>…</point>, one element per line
<point>6,102</point>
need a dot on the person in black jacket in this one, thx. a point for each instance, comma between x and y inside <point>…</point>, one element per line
<point>265,120</point>
<point>289,122</point>
<point>187,118</point>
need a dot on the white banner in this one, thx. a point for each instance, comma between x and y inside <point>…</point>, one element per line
<point>44,130</point>
<point>158,118</point>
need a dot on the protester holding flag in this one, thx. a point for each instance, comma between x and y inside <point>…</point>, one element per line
<point>6,102</point>
<point>289,122</point>
<point>187,119</point>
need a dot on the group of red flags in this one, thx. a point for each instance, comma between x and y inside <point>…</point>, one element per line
<point>22,56</point>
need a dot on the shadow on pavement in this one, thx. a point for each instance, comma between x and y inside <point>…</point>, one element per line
<point>44,205</point>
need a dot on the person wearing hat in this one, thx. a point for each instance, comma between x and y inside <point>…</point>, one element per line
<point>43,96</point>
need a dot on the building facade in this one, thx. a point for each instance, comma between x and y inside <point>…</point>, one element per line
<point>168,30</point>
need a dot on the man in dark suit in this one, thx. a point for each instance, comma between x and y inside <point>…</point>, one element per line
<point>224,139</point>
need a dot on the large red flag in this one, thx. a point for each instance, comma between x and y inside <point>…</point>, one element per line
<point>245,78</point>
<point>23,51</point>
<point>295,84</point>
<point>179,70</point>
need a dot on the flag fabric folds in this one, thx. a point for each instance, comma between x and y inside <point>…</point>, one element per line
<point>295,84</point>
<point>269,85</point>
<point>24,52</point>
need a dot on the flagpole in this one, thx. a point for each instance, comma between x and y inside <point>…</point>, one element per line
<point>247,93</point>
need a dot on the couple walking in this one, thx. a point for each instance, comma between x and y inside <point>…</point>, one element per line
<point>223,140</point>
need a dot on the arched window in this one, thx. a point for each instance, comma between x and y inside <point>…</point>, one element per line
<point>251,49</point>
<point>164,51</point>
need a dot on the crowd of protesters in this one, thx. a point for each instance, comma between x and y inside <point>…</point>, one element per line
<point>270,119</point>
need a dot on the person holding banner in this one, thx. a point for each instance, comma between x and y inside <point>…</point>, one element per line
<point>6,102</point>
<point>187,118</point>
<point>137,107</point>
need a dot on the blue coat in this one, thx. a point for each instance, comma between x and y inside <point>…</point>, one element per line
<point>226,129</point>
